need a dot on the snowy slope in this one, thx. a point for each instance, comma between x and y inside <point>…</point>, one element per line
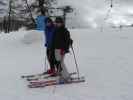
<point>105,58</point>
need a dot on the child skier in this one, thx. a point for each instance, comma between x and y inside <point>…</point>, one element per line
<point>61,44</point>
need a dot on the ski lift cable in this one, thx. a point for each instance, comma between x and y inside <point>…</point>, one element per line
<point>109,10</point>
<point>107,14</point>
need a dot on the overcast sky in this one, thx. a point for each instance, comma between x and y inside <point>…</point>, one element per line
<point>95,11</point>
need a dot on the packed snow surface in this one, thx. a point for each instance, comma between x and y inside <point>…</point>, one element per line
<point>104,58</point>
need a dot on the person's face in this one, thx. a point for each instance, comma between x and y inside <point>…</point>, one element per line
<point>48,23</point>
<point>58,24</point>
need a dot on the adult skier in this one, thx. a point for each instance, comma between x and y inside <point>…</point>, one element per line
<point>49,34</point>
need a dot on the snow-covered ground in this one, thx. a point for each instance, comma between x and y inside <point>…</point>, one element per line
<point>104,58</point>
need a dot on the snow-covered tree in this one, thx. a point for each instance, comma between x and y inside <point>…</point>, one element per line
<point>3,8</point>
<point>27,10</point>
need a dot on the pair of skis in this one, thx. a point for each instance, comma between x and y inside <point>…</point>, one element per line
<point>41,84</point>
<point>41,76</point>
<point>44,79</point>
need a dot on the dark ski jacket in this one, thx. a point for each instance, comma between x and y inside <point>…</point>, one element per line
<point>49,34</point>
<point>62,39</point>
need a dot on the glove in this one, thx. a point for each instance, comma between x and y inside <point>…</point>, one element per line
<point>67,51</point>
<point>45,45</point>
<point>62,51</point>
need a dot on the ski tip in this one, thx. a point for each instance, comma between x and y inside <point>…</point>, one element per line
<point>27,76</point>
<point>32,79</point>
<point>29,86</point>
<point>37,86</point>
<point>22,76</point>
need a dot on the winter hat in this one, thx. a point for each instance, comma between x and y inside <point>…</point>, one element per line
<point>59,19</point>
<point>48,20</point>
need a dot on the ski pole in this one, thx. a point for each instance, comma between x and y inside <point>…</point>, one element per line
<point>45,62</point>
<point>45,65</point>
<point>75,60</point>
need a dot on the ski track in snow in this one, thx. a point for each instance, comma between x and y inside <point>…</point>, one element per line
<point>104,58</point>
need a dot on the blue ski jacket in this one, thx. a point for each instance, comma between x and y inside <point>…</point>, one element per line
<point>49,34</point>
<point>40,22</point>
